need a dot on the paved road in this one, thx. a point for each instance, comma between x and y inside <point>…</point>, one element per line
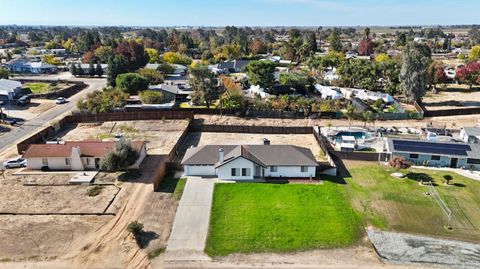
<point>190,227</point>
<point>28,127</point>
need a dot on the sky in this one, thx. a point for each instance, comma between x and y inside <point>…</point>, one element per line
<point>239,12</point>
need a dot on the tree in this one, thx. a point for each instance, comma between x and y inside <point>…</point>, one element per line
<point>474,35</point>
<point>334,40</point>
<point>151,97</point>
<point>413,75</point>
<point>99,70</point>
<point>153,55</point>
<point>349,114</point>
<point>232,98</point>
<point>469,74</point>
<point>367,116</point>
<point>261,73</point>
<point>103,101</point>
<point>134,55</point>
<point>120,157</point>
<point>4,74</point>
<point>131,83</point>
<point>80,71</point>
<point>474,53</point>
<point>203,84</point>
<point>399,163</point>
<point>103,53</point>
<point>91,69</point>
<point>50,59</point>
<point>401,40</point>
<point>176,58</point>
<point>257,46</point>
<point>73,69</point>
<point>381,58</point>
<point>166,69</point>
<point>365,47</point>
<point>153,76</point>
<point>116,66</point>
<point>447,178</point>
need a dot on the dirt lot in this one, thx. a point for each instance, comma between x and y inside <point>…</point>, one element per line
<point>306,141</point>
<point>456,96</point>
<point>467,120</point>
<point>92,241</point>
<point>159,135</point>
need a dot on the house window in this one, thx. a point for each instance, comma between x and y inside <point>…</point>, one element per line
<point>245,172</point>
<point>435,158</point>
<point>68,161</point>
<point>234,172</point>
<point>413,156</point>
<point>473,161</point>
<point>44,161</point>
<point>304,169</point>
<point>273,168</point>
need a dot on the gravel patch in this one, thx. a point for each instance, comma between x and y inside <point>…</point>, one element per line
<point>412,249</point>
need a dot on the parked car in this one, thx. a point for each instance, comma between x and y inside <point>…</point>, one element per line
<point>60,100</point>
<point>13,163</point>
<point>11,122</point>
<point>24,100</point>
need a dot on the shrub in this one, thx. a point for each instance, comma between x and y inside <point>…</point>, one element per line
<point>447,178</point>
<point>120,157</point>
<point>152,97</point>
<point>135,228</point>
<point>176,58</point>
<point>131,83</point>
<point>399,163</point>
<point>103,101</point>
<point>95,191</point>
<point>166,69</point>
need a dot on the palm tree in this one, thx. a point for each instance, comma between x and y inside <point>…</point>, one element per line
<point>367,117</point>
<point>349,114</point>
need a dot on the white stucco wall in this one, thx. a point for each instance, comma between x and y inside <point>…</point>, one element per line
<point>54,163</point>
<point>291,171</point>
<point>225,171</point>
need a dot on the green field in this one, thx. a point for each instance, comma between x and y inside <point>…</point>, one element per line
<point>402,204</point>
<point>251,217</point>
<point>40,87</point>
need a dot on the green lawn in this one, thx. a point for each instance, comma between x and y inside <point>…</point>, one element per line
<point>174,185</point>
<point>401,204</point>
<point>249,217</point>
<point>40,87</point>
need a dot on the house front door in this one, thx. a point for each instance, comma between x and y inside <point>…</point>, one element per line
<point>97,163</point>
<point>453,163</point>
<point>258,171</point>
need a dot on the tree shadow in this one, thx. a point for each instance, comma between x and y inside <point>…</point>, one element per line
<point>460,185</point>
<point>420,177</point>
<point>145,237</point>
<point>129,176</point>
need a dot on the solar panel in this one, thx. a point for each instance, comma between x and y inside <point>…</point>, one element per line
<point>431,147</point>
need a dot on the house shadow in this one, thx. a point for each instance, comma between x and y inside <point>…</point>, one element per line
<point>145,237</point>
<point>169,183</point>
<point>337,180</point>
<point>130,176</point>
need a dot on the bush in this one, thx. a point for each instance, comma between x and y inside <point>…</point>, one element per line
<point>103,101</point>
<point>131,83</point>
<point>120,157</point>
<point>95,191</point>
<point>176,58</point>
<point>399,163</point>
<point>135,228</point>
<point>447,178</point>
<point>152,97</point>
<point>166,69</point>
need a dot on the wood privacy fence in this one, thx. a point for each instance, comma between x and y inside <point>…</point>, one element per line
<point>250,129</point>
<point>130,116</point>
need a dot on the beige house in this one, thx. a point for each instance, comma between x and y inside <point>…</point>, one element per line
<point>75,156</point>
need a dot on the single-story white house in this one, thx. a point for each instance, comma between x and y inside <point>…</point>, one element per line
<point>368,95</point>
<point>180,70</point>
<point>25,66</point>
<point>75,156</point>
<point>9,89</point>
<point>250,162</point>
<point>257,90</point>
<point>327,92</point>
<point>470,135</point>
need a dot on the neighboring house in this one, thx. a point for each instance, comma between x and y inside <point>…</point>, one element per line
<point>176,92</point>
<point>76,156</point>
<point>86,68</point>
<point>368,95</point>
<point>331,75</point>
<point>470,135</point>
<point>257,90</point>
<point>228,67</point>
<point>180,70</point>
<point>438,154</point>
<point>250,162</point>
<point>329,93</point>
<point>360,106</point>
<point>9,89</point>
<point>25,66</point>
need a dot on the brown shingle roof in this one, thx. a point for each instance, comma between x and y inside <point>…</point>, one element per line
<point>265,155</point>
<point>87,149</point>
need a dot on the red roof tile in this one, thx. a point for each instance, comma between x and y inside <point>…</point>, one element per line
<point>87,149</point>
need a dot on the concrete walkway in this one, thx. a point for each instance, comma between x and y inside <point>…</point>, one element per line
<point>190,227</point>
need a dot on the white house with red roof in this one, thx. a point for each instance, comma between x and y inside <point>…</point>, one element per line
<point>75,156</point>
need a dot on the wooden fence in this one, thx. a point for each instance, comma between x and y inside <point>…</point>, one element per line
<point>130,116</point>
<point>250,129</point>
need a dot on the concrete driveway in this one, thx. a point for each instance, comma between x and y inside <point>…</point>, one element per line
<point>190,227</point>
